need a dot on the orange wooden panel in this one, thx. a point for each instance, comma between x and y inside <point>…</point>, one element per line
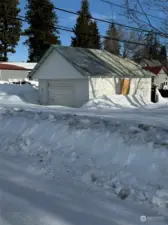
<point>125,86</point>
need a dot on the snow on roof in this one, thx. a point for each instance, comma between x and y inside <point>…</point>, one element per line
<point>10,67</point>
<point>28,66</point>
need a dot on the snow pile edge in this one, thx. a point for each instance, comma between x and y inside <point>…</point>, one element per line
<point>67,147</point>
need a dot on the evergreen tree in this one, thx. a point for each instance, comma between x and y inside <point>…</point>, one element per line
<point>42,31</point>
<point>150,50</point>
<point>163,55</point>
<point>95,42</point>
<point>10,28</point>
<point>82,28</point>
<point>111,44</point>
<point>152,47</point>
<point>156,48</point>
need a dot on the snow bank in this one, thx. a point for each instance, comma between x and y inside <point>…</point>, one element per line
<point>119,157</point>
<point>125,102</point>
<point>34,83</point>
<point>4,82</point>
<point>160,98</point>
<point>116,102</point>
<point>11,93</point>
<point>161,102</point>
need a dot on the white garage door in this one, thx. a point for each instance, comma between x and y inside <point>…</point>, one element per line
<point>61,94</point>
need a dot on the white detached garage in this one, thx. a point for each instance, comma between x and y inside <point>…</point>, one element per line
<point>71,76</point>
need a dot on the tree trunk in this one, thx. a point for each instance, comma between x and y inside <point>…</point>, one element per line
<point>5,44</point>
<point>5,52</point>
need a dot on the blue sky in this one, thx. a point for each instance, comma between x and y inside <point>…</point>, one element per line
<point>98,9</point>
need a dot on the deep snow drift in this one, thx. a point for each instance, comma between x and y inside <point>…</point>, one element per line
<point>107,154</point>
<point>18,94</point>
<point>116,102</point>
<point>27,95</point>
<point>124,102</point>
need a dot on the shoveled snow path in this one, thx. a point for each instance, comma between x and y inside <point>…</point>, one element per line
<point>30,200</point>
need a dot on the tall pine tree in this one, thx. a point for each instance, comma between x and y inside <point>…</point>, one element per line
<point>95,42</point>
<point>152,47</point>
<point>111,44</point>
<point>163,55</point>
<point>42,31</point>
<point>86,31</point>
<point>81,29</point>
<point>150,50</point>
<point>10,27</point>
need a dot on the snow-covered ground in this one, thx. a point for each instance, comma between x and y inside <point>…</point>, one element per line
<point>73,166</point>
<point>18,94</point>
<point>101,152</point>
<point>30,199</point>
<point>116,102</point>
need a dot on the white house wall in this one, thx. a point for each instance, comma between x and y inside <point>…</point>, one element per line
<point>160,78</point>
<point>56,67</point>
<point>81,90</point>
<point>43,89</point>
<point>8,75</point>
<point>110,86</point>
<point>104,86</point>
<point>141,86</point>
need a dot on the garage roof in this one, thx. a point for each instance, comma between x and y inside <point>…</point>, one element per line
<point>90,62</point>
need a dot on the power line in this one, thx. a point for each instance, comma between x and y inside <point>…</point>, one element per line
<point>108,22</point>
<point>143,13</point>
<point>101,20</point>
<point>133,10</point>
<point>101,36</point>
<point>154,30</point>
<point>68,29</point>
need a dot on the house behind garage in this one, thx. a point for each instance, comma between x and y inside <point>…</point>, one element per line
<point>160,77</point>
<point>150,63</point>
<point>11,71</point>
<point>71,76</point>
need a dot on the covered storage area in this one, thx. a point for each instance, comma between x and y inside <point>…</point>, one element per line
<point>61,93</point>
<point>71,93</point>
<point>71,76</point>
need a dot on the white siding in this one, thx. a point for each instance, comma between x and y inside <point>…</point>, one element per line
<point>55,67</point>
<point>43,89</point>
<point>61,93</point>
<point>160,78</point>
<point>80,91</point>
<point>110,86</point>
<point>7,75</point>
<point>104,86</point>
<point>83,90</point>
<point>141,86</point>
